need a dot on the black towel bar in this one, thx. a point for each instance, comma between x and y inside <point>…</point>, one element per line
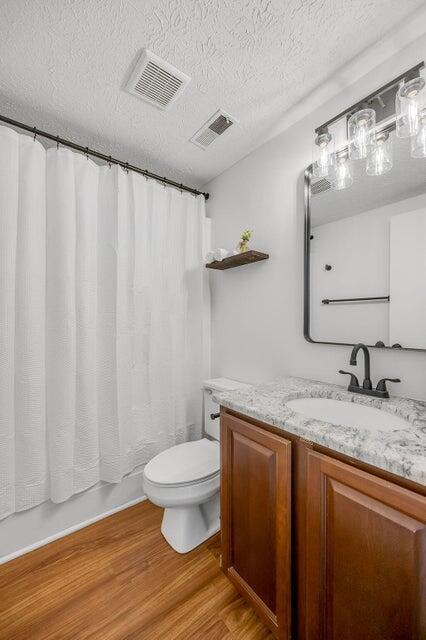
<point>372,299</point>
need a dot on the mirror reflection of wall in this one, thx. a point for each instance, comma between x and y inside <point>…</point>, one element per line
<point>407,318</point>
<point>373,236</point>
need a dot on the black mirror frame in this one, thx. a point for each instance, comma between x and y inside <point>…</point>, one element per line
<point>307,276</point>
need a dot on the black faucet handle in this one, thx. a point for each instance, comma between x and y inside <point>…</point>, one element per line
<point>381,385</point>
<point>354,380</point>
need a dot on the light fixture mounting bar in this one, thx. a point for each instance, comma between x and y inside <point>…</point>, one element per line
<point>407,75</point>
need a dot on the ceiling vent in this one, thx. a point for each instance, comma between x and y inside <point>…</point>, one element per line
<point>212,129</point>
<point>156,81</point>
<point>320,186</point>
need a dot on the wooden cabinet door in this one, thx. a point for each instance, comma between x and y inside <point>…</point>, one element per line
<point>255,519</point>
<point>365,556</point>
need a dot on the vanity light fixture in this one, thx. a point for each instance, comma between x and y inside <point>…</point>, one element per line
<point>418,142</point>
<point>400,104</point>
<point>342,172</point>
<point>379,157</point>
<point>361,132</point>
<point>322,153</point>
<point>408,104</point>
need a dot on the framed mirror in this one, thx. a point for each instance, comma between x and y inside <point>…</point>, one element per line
<point>365,255</point>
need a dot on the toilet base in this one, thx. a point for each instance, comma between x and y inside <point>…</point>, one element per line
<point>185,528</point>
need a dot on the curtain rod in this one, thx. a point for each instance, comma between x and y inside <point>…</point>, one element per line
<point>96,154</point>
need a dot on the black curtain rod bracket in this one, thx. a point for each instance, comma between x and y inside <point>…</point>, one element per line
<point>97,154</point>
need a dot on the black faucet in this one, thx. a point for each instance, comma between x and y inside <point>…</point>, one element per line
<point>367,380</point>
<point>367,388</point>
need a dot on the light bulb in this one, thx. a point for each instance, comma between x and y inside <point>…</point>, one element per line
<point>379,158</point>
<point>418,142</point>
<point>322,154</point>
<point>342,174</point>
<point>408,107</point>
<point>361,132</point>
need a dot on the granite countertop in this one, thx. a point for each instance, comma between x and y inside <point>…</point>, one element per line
<point>401,451</point>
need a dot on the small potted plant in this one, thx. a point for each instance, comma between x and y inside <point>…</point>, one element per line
<point>243,244</point>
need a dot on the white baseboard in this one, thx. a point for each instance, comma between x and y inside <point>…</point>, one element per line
<point>66,532</point>
<point>27,530</point>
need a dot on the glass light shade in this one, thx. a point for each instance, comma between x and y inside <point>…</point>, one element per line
<point>322,155</point>
<point>361,132</point>
<point>408,105</point>
<point>342,171</point>
<point>379,158</point>
<point>418,142</point>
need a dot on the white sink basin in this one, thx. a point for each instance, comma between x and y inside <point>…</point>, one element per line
<point>347,413</point>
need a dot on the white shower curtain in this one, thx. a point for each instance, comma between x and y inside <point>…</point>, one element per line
<point>101,321</point>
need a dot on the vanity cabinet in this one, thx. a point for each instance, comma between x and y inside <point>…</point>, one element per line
<point>365,555</point>
<point>355,555</point>
<point>256,519</point>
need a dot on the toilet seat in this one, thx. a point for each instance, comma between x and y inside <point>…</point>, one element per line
<point>185,464</point>
<point>165,495</point>
<point>176,485</point>
<point>196,484</point>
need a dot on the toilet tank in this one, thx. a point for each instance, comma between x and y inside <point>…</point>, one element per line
<point>212,426</point>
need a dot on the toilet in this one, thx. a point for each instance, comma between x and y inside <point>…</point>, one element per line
<point>185,479</point>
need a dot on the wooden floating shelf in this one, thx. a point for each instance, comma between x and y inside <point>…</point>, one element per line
<point>238,260</point>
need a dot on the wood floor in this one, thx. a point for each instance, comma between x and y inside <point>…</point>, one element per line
<point>118,579</point>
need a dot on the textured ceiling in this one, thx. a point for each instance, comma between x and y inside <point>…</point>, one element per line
<point>64,63</point>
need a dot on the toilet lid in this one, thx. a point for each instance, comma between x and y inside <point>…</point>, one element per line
<point>185,463</point>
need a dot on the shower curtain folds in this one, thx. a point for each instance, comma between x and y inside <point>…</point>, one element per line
<point>101,321</point>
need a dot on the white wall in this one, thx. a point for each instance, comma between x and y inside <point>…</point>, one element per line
<point>257,310</point>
